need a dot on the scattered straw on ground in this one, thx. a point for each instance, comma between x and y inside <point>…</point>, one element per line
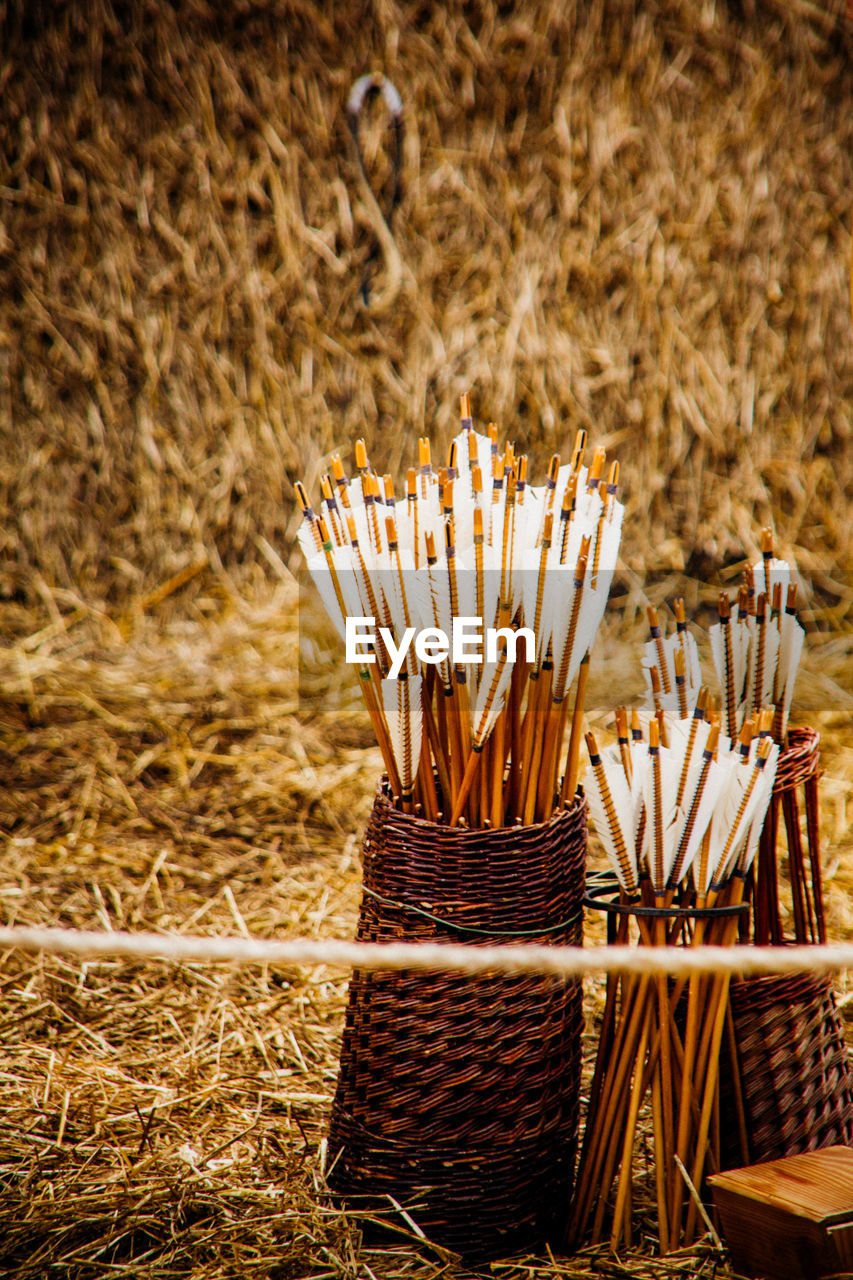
<point>168,1120</point>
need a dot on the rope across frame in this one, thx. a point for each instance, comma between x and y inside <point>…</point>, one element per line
<point>315,955</point>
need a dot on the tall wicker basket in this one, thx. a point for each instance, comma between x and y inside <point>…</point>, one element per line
<point>458,1097</point>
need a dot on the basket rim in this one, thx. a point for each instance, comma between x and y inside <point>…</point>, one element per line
<point>560,815</point>
<point>633,908</point>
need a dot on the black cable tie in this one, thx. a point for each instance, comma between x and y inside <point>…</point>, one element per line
<point>469,928</point>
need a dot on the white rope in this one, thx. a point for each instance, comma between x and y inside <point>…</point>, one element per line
<point>301,952</point>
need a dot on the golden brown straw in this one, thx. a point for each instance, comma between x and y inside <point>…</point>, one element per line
<point>183,248</point>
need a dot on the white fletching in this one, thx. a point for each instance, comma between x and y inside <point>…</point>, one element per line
<point>733,817</point>
<point>670,826</point>
<point>765,783</point>
<point>494,683</point>
<point>763,696</point>
<point>618,843</point>
<point>739,651</point>
<point>779,571</point>
<point>716,779</point>
<point>790,650</point>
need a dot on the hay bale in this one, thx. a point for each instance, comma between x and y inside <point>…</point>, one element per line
<point>629,218</point>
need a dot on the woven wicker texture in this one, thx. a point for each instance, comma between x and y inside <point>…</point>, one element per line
<point>459,1097</point>
<point>799,759</point>
<point>795,786</point>
<point>794,1071</point>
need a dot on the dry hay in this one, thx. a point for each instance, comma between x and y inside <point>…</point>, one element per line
<point>156,1117</point>
<point>631,218</point>
<point>161,1121</point>
<point>626,217</point>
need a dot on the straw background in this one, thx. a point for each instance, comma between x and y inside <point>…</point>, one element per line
<point>628,217</point>
<point>631,217</point>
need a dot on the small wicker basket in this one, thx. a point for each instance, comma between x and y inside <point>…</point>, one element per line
<point>785,1083</point>
<point>459,1097</point>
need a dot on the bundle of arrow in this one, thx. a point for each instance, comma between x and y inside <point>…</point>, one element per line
<point>680,808</point>
<point>469,608</point>
<point>680,813</point>
<point>756,647</point>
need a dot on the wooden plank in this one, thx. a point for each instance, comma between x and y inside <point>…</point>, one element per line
<point>789,1219</point>
<point>817,1184</point>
